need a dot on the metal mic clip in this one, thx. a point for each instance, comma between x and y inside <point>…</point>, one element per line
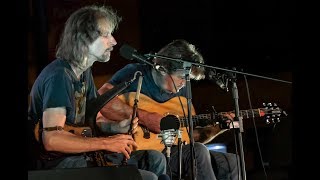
<point>220,79</point>
<point>135,76</point>
<point>136,73</point>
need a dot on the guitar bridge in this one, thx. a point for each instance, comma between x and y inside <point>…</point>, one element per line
<point>86,132</point>
<point>146,132</point>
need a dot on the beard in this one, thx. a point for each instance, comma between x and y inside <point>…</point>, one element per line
<point>105,57</point>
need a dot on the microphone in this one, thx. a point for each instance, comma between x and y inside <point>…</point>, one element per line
<point>130,53</point>
<point>169,125</point>
<point>136,99</point>
<point>135,108</point>
<point>139,85</point>
<point>218,80</point>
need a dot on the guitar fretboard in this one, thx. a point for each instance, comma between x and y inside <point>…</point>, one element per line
<point>250,113</point>
<point>207,119</point>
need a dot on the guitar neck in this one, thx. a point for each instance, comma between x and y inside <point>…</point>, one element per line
<point>206,119</point>
<point>252,113</point>
<point>210,119</point>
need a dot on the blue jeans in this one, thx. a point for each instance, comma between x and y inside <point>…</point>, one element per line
<point>203,165</point>
<point>151,164</point>
<point>149,160</point>
<point>225,165</point>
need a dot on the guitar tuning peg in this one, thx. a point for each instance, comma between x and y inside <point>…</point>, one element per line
<point>275,104</point>
<point>267,121</point>
<point>264,104</point>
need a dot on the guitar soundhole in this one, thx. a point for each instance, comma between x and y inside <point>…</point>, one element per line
<point>170,122</point>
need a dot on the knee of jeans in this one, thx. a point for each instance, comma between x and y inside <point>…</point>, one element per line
<point>147,175</point>
<point>201,151</point>
<point>232,158</point>
<point>199,147</point>
<point>157,156</point>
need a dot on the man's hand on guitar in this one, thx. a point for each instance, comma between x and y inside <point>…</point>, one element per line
<point>226,119</point>
<point>121,143</point>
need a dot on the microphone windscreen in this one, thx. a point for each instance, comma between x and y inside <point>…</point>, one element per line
<point>163,177</point>
<point>127,51</point>
<point>169,122</point>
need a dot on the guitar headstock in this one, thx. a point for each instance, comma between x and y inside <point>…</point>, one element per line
<point>272,112</point>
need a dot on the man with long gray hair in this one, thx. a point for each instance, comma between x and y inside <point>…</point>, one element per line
<point>61,93</point>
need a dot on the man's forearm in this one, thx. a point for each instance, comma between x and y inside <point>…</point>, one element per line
<point>116,110</point>
<point>150,120</point>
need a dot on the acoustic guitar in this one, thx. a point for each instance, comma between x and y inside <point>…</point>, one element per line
<point>84,131</point>
<point>149,140</point>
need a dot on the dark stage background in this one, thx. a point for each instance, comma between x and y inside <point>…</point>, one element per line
<point>254,36</point>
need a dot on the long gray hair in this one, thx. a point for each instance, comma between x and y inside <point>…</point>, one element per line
<point>81,29</point>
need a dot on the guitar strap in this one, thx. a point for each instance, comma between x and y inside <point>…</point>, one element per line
<point>55,128</point>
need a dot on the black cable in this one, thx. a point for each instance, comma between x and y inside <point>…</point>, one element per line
<point>255,127</point>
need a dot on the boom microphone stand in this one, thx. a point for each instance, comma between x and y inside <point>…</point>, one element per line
<point>187,67</point>
<point>239,130</point>
<point>179,153</point>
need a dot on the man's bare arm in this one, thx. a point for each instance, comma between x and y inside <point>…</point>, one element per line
<point>117,110</point>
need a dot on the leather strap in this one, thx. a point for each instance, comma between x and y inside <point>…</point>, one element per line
<point>55,128</point>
